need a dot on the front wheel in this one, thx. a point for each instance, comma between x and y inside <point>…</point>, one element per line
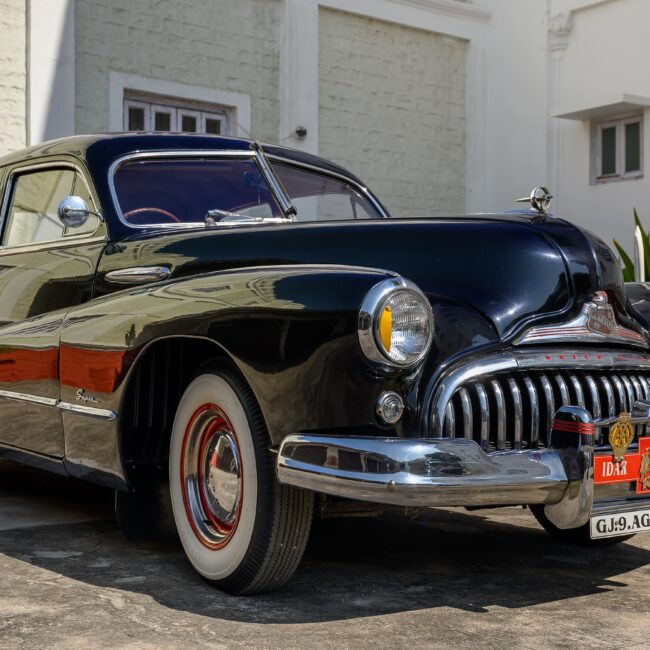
<point>241,529</point>
<point>580,536</point>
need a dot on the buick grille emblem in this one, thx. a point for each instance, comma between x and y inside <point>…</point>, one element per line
<point>600,315</point>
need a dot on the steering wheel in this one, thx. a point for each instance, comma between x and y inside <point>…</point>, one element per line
<point>166,213</point>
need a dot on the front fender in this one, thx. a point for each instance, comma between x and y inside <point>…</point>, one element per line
<point>290,330</point>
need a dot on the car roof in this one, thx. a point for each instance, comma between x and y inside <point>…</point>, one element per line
<point>116,145</point>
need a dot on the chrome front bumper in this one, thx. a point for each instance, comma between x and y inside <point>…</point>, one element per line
<point>453,471</point>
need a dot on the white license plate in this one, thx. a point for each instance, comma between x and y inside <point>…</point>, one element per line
<point>620,523</point>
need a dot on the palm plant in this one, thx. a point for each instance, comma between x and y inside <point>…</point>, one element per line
<point>628,264</point>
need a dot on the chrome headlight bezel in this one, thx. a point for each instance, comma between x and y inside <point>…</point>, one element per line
<point>369,316</point>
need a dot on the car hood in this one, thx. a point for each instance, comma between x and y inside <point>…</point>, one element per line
<point>508,271</point>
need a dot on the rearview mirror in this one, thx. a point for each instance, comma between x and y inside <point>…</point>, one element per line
<point>73,212</point>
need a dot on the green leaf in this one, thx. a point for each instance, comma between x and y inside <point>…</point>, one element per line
<point>646,245</point>
<point>628,264</point>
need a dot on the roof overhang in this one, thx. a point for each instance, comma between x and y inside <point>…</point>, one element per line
<point>626,104</point>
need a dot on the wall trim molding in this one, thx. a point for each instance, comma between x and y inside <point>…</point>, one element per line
<point>451,8</point>
<point>119,81</point>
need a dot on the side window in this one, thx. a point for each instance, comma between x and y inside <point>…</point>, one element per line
<point>32,216</point>
<point>322,198</point>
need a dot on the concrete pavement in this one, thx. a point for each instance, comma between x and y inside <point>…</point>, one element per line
<point>485,580</point>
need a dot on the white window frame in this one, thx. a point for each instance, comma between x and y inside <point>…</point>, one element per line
<point>186,112</point>
<point>223,119</point>
<point>172,111</point>
<point>131,103</point>
<point>124,86</point>
<point>176,109</point>
<point>619,123</point>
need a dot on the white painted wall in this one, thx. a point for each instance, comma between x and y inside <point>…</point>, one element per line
<point>221,49</point>
<point>51,77</point>
<point>525,61</point>
<point>13,76</point>
<point>606,57</point>
<point>392,104</point>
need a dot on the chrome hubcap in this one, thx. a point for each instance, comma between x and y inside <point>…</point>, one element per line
<point>221,477</point>
<point>211,476</point>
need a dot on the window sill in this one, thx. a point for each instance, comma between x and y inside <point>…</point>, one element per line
<point>616,178</point>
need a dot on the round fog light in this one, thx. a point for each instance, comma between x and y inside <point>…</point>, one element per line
<point>390,406</point>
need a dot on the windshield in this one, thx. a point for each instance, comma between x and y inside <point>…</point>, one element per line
<point>175,191</point>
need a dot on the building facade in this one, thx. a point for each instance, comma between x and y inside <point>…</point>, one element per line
<point>442,106</point>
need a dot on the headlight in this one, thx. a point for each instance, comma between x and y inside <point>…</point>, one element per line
<point>395,324</point>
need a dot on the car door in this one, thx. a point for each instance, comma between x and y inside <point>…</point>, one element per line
<point>45,269</point>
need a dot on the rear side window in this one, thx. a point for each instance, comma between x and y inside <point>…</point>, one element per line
<point>32,215</point>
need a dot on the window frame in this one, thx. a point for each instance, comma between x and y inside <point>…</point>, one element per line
<point>177,107</point>
<point>189,112</point>
<point>221,118</point>
<point>169,110</point>
<point>132,103</point>
<point>619,122</point>
<point>60,242</point>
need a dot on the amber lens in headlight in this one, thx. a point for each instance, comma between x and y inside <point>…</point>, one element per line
<point>404,327</point>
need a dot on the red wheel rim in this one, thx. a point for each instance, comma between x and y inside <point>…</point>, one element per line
<point>211,475</point>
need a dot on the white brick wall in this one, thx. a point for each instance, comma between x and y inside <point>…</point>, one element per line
<point>12,75</point>
<point>228,45</point>
<point>392,109</point>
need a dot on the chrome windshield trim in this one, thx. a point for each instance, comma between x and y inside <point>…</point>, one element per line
<point>275,184</point>
<point>226,153</point>
<point>165,153</point>
<point>25,397</point>
<point>88,411</point>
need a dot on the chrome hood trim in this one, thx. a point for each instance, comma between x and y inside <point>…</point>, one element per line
<point>596,323</point>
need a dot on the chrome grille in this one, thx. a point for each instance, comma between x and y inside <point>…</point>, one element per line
<point>514,409</point>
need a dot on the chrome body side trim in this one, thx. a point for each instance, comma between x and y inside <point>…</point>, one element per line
<point>138,275</point>
<point>102,414</point>
<point>88,411</point>
<point>24,397</point>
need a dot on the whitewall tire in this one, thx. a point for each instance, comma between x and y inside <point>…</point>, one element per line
<point>240,528</point>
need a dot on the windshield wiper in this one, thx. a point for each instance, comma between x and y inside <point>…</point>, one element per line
<point>218,217</point>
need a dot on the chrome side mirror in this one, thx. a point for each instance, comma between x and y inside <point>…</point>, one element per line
<point>73,212</point>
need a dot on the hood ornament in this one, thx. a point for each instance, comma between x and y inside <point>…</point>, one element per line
<point>539,199</point>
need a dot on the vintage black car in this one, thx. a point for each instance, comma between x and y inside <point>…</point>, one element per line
<point>240,327</point>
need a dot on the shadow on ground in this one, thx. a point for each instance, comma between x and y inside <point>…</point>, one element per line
<point>352,568</point>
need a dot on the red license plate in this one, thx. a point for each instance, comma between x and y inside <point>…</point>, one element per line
<point>633,467</point>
